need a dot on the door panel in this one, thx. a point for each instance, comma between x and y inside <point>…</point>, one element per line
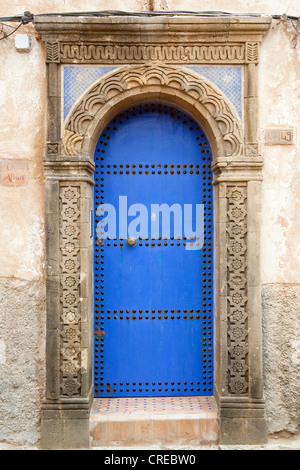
<point>153,301</point>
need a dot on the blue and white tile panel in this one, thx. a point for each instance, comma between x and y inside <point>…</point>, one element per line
<point>77,78</point>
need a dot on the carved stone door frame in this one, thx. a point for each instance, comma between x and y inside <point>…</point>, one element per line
<point>151,56</point>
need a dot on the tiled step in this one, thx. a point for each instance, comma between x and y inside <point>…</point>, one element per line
<point>150,421</point>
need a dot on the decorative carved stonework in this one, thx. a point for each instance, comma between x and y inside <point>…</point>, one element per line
<point>95,53</point>
<point>71,143</point>
<point>52,148</point>
<point>252,150</point>
<point>129,78</point>
<point>252,52</point>
<point>150,54</point>
<point>70,277</point>
<point>168,54</point>
<point>52,52</point>
<point>237,326</point>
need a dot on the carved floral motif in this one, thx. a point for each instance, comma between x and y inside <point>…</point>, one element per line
<point>70,317</point>
<point>237,326</point>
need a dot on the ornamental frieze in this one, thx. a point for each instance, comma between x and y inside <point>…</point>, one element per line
<point>93,52</point>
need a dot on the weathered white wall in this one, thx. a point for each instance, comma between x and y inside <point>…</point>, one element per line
<point>279,88</point>
<point>22,289</point>
<point>270,7</point>
<point>22,282</point>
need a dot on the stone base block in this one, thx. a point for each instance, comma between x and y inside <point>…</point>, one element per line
<point>64,434</point>
<point>243,431</point>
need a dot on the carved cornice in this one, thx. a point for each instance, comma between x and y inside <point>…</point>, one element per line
<point>182,27</point>
<point>169,39</point>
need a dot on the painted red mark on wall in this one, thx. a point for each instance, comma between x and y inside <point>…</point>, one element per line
<point>14,172</point>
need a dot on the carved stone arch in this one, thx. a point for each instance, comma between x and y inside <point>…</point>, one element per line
<point>131,84</point>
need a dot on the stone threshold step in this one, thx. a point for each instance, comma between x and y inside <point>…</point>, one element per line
<point>154,420</point>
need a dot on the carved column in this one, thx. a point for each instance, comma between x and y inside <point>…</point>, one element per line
<point>69,199</point>
<point>238,208</point>
<point>69,194</point>
<point>239,354</point>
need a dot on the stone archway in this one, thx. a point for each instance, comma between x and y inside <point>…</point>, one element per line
<point>132,84</point>
<point>69,193</point>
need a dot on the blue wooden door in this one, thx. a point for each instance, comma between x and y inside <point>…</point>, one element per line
<point>153,256</point>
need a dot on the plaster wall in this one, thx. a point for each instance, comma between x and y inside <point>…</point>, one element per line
<point>279,107</point>
<point>22,240</point>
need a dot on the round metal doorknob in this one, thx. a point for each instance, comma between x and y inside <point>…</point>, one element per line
<point>131,241</point>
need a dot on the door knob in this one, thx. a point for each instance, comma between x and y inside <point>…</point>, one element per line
<point>131,241</point>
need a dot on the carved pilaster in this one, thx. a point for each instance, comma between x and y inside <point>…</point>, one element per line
<point>69,194</point>
<point>252,57</point>
<point>242,408</point>
<point>54,108</point>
